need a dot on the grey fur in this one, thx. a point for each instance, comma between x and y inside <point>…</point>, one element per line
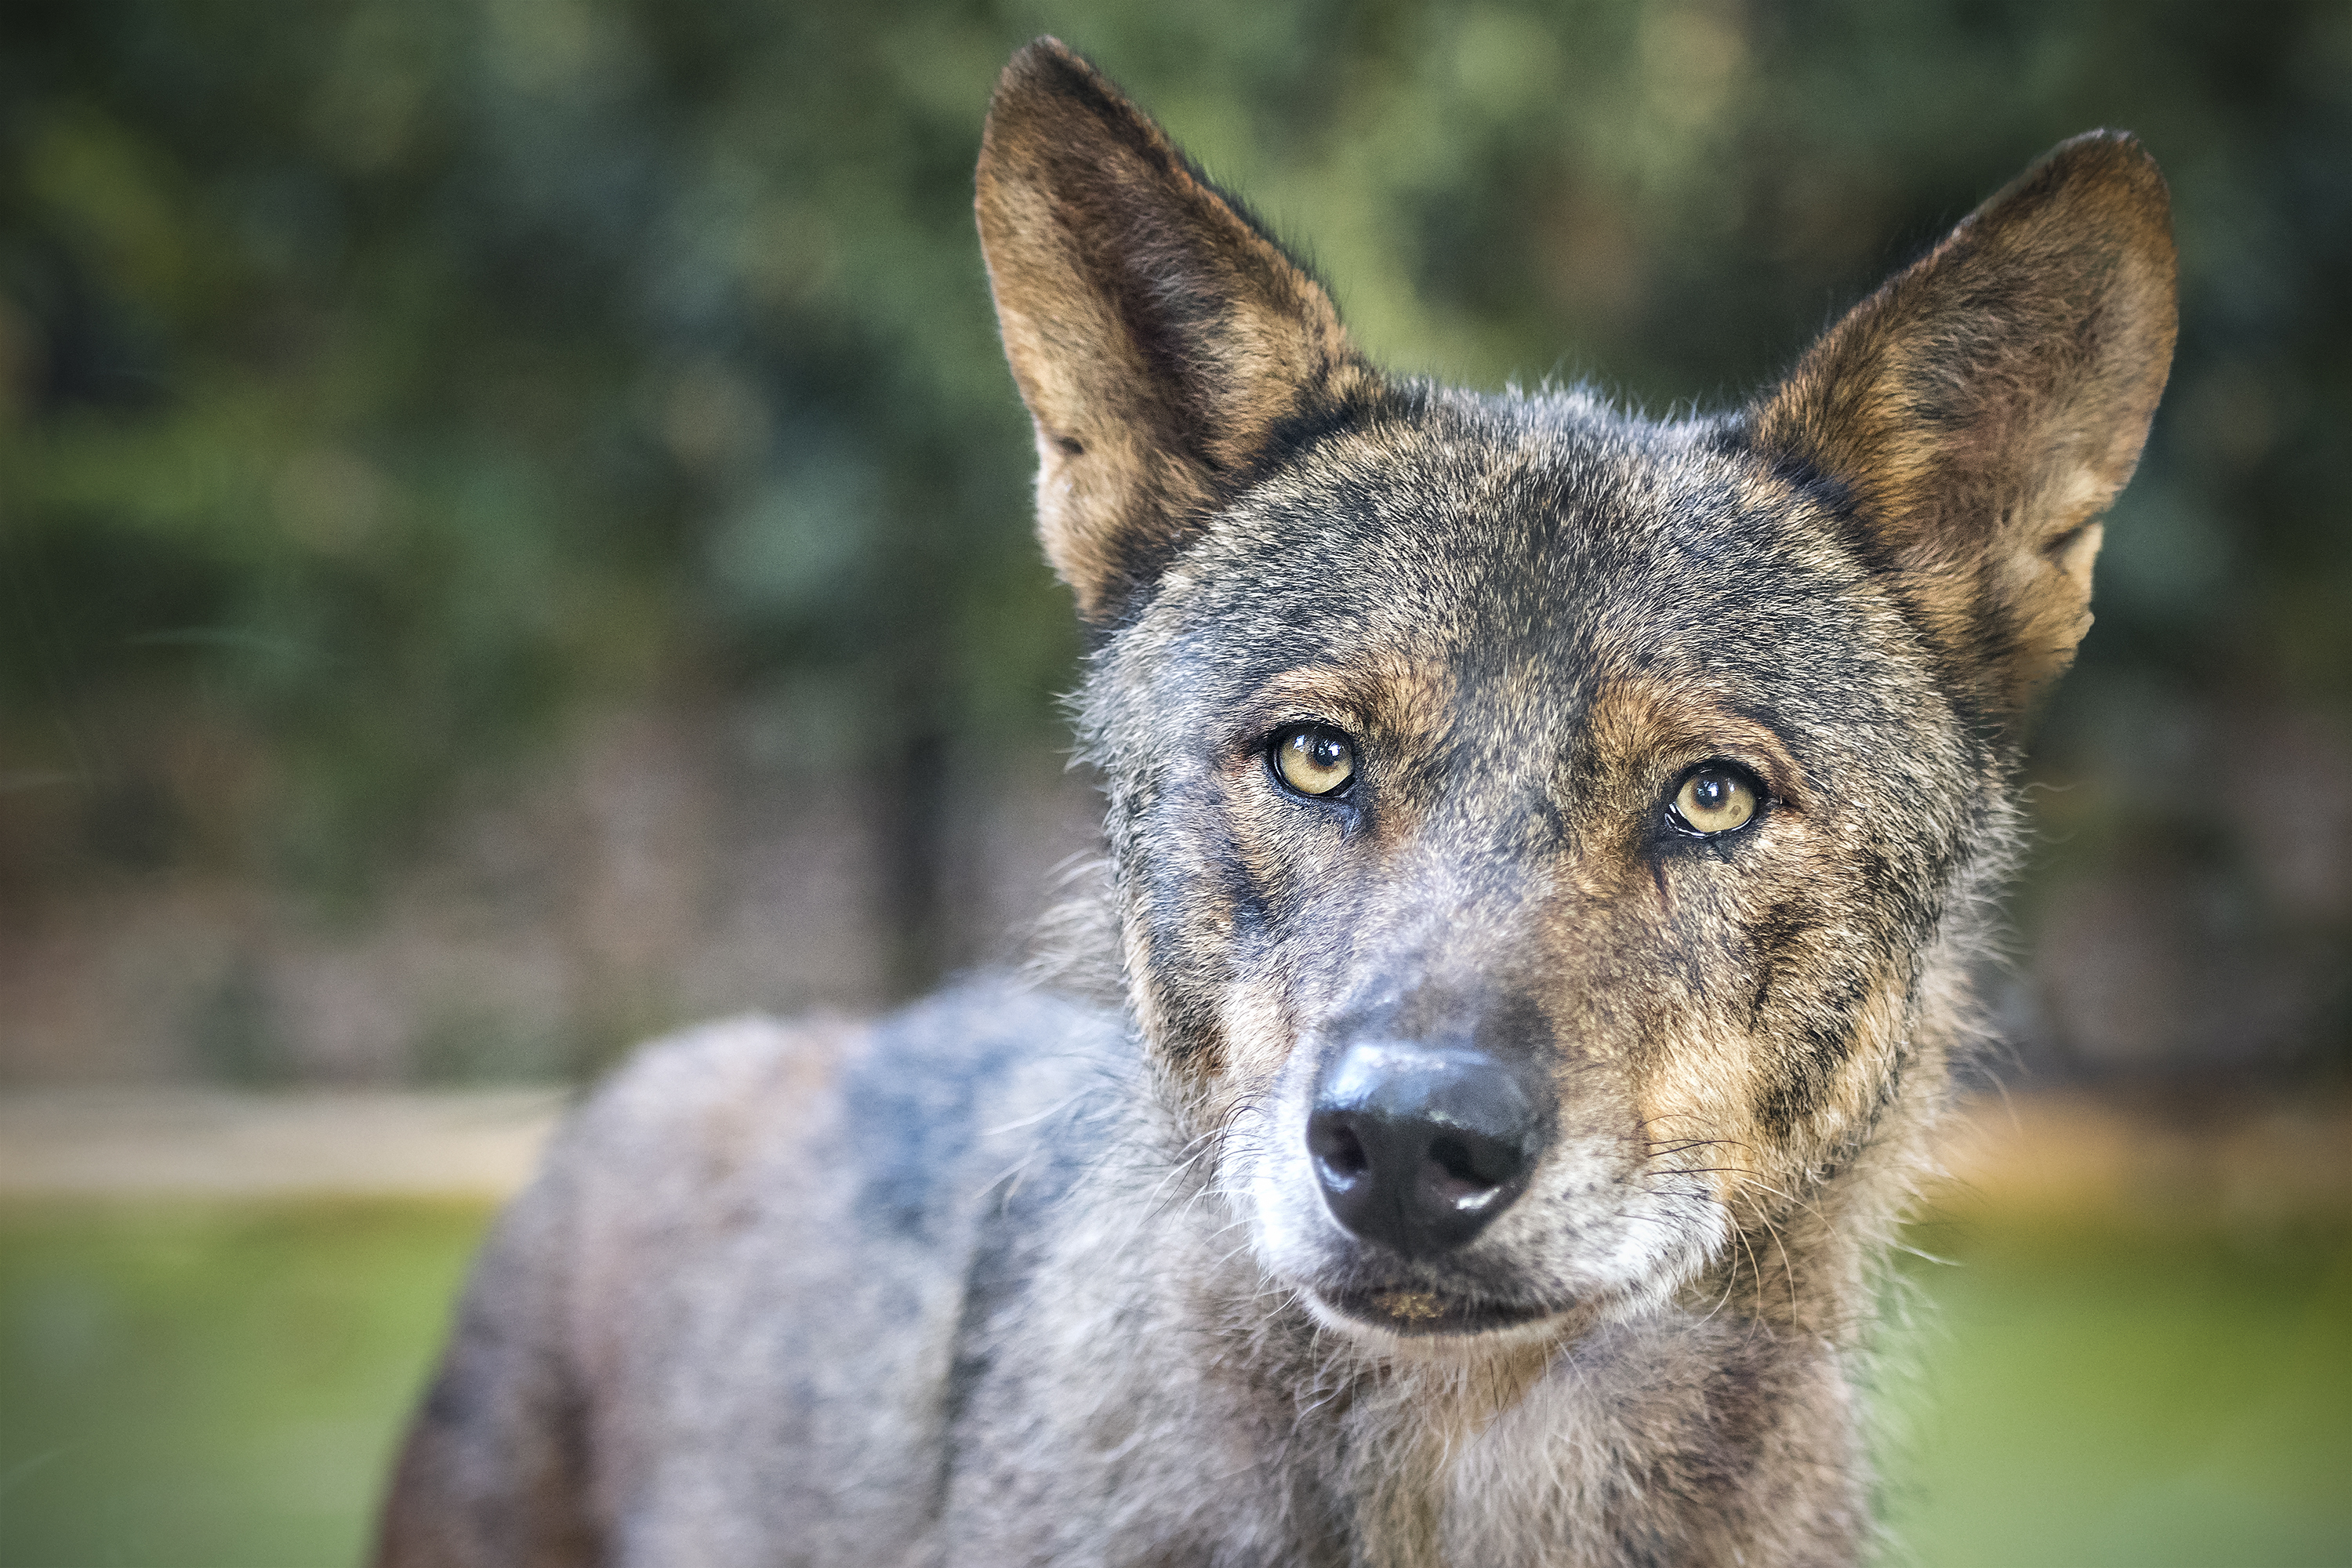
<point>1010,1279</point>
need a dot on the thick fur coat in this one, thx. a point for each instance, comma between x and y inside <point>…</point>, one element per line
<point>1650,780</point>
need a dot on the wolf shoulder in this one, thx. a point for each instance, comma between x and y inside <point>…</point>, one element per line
<point>726,1311</point>
<point>862,1129</point>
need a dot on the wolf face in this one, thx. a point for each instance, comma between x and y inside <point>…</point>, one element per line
<point>1538,629</point>
<point>1548,842</point>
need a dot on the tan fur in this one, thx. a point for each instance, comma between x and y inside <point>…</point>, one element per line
<point>1140,426</point>
<point>1987,404</point>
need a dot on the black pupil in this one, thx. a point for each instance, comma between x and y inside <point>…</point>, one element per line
<point>1328,752</point>
<point>1711,791</point>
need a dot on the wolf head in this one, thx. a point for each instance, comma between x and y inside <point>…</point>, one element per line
<point>1548,841</point>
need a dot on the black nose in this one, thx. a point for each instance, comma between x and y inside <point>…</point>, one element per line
<point>1418,1147</point>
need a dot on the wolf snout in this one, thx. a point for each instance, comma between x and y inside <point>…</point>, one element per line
<point>1419,1147</point>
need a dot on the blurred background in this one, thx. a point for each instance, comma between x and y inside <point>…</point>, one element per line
<point>514,535</point>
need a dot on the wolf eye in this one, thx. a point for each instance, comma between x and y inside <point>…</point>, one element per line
<point>1314,759</point>
<point>1715,798</point>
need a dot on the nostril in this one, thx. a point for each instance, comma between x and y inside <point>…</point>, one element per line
<point>1465,1175</point>
<point>1336,1150</point>
<point>1453,1156</point>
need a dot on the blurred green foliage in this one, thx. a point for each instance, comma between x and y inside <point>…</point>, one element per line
<point>224,1385</point>
<point>383,381</point>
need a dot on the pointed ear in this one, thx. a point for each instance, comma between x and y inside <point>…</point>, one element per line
<point>1163,344</point>
<point>1983,407</point>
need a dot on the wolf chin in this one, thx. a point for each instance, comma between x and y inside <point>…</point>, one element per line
<point>1545,852</point>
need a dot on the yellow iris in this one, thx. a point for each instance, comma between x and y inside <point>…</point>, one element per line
<point>1716,800</point>
<point>1315,759</point>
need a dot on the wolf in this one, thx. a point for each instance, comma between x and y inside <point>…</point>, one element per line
<point>1546,853</point>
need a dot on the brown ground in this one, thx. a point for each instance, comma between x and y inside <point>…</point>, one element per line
<point>2053,1151</point>
<point>2176,1154</point>
<point>105,1143</point>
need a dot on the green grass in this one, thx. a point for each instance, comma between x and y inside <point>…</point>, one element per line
<point>2132,1397</point>
<point>188,1386</point>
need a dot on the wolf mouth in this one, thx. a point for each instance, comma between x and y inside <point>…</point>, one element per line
<point>1417,1312</point>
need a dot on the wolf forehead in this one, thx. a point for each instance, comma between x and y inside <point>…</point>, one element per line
<point>1508,559</point>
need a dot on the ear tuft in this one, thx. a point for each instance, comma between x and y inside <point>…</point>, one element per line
<point>1983,407</point>
<point>1161,341</point>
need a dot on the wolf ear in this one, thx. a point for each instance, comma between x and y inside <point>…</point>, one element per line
<point>1983,407</point>
<point>1163,344</point>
